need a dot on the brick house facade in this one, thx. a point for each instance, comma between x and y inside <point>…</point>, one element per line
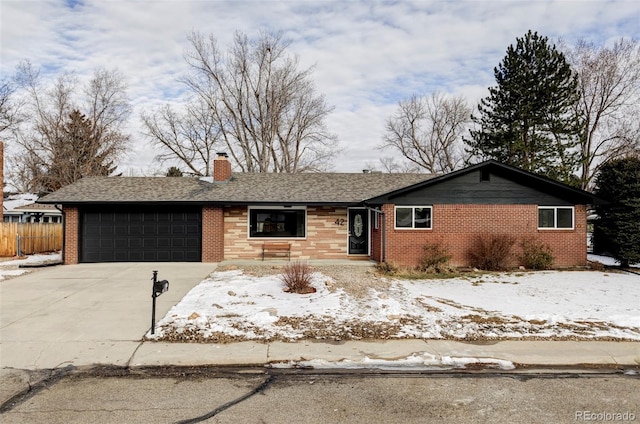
<point>381,217</point>
<point>458,226</point>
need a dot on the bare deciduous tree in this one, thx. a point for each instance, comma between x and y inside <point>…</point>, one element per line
<point>269,115</point>
<point>388,164</point>
<point>10,116</point>
<point>609,83</point>
<point>67,128</point>
<point>427,131</point>
<point>191,137</point>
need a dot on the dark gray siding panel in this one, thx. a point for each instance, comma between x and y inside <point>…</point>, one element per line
<point>468,189</point>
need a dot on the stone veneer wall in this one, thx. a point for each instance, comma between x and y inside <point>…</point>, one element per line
<point>325,239</point>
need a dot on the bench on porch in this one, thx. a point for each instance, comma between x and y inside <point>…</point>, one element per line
<point>276,249</point>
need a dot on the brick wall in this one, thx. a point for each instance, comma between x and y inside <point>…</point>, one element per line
<point>569,246</point>
<point>325,239</point>
<point>457,226</point>
<point>71,243</point>
<point>221,169</point>
<point>376,237</point>
<point>212,234</point>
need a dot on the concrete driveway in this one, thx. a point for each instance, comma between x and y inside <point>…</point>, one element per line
<point>85,314</point>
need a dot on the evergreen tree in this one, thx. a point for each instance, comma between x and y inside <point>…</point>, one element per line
<point>174,172</point>
<point>77,152</point>
<point>528,120</point>
<point>617,229</point>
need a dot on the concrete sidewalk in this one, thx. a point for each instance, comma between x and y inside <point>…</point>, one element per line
<point>359,354</point>
<point>400,355</point>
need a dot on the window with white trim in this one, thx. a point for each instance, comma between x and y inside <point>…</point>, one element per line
<point>555,217</point>
<point>413,217</point>
<point>277,222</point>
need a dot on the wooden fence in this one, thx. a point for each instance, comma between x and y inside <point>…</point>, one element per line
<point>29,238</point>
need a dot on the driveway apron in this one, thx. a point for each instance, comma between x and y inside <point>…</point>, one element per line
<point>85,314</point>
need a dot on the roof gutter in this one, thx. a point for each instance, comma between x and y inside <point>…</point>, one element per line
<point>64,232</point>
<point>221,203</point>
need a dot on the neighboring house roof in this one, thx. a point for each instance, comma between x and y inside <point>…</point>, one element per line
<point>18,200</point>
<point>242,188</point>
<point>39,208</point>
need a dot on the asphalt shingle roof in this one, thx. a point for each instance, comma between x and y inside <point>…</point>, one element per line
<point>316,188</point>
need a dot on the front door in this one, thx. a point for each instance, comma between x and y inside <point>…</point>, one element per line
<point>358,232</point>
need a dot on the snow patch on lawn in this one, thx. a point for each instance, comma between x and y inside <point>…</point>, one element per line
<point>231,306</point>
<point>606,260</point>
<point>10,268</point>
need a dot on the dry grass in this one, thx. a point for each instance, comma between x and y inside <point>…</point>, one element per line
<point>355,280</point>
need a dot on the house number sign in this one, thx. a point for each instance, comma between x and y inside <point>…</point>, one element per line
<point>357,225</point>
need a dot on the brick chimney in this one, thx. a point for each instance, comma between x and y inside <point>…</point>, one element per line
<point>221,168</point>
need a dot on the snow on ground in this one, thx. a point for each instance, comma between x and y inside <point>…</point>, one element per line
<point>10,268</point>
<point>231,306</point>
<point>606,260</point>
<point>418,360</point>
<point>19,200</point>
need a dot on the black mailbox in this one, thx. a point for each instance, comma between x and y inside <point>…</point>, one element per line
<point>160,287</point>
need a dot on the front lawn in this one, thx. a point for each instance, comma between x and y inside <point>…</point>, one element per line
<point>571,305</point>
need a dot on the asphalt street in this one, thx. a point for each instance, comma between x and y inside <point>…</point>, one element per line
<point>257,395</point>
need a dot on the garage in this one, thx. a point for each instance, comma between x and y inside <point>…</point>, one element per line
<point>141,234</point>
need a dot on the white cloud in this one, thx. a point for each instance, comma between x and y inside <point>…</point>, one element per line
<point>367,55</point>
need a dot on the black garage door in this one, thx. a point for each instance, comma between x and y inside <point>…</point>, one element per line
<point>141,235</point>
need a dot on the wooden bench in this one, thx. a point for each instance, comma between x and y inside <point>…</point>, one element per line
<point>276,249</point>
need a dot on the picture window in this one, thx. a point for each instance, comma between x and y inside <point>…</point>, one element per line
<point>277,223</point>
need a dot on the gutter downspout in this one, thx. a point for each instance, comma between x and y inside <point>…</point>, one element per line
<point>64,232</point>
<point>383,238</point>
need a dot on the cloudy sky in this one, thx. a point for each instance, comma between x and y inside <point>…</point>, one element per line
<point>368,55</point>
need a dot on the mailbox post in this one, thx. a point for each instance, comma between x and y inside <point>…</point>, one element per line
<point>159,287</point>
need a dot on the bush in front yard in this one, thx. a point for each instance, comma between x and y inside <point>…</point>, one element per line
<point>296,276</point>
<point>491,252</point>
<point>536,255</point>
<point>435,258</point>
<point>387,268</point>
